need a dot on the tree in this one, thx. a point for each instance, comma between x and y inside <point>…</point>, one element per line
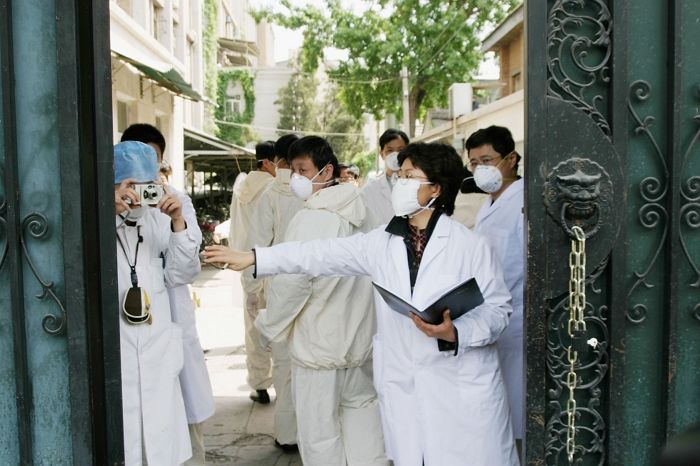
<point>302,108</point>
<point>436,40</point>
<point>297,103</point>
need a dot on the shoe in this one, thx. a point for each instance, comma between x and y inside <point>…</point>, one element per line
<point>261,396</point>
<point>287,447</point>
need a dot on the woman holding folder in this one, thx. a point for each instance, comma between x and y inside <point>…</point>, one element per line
<point>440,387</point>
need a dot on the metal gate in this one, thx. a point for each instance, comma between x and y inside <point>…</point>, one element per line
<point>59,335</point>
<point>613,129</point>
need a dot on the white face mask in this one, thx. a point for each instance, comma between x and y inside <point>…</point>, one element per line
<point>302,187</point>
<point>392,161</point>
<point>136,213</point>
<point>488,178</point>
<point>404,198</point>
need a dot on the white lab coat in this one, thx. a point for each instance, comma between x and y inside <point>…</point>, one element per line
<point>376,194</point>
<point>501,223</point>
<point>437,408</point>
<point>152,355</point>
<point>330,323</point>
<point>194,378</point>
<point>246,228</point>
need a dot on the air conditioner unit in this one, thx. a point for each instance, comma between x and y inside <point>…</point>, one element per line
<point>459,98</point>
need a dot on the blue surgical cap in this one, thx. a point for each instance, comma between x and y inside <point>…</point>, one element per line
<point>133,159</point>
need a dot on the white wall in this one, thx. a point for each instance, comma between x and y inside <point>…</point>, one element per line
<point>268,82</point>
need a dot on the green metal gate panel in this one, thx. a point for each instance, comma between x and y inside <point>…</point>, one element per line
<point>8,407</point>
<point>613,146</point>
<point>684,348</point>
<point>59,374</point>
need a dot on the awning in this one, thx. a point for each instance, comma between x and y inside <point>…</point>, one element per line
<point>171,79</point>
<point>209,153</point>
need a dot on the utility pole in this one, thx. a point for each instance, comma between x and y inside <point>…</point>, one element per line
<point>406,113</point>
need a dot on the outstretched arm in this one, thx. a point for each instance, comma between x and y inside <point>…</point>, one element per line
<point>237,260</point>
<point>327,257</point>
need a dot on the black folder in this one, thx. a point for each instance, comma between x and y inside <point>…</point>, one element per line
<point>459,299</point>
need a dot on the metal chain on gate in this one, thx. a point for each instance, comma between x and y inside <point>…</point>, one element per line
<point>576,329</point>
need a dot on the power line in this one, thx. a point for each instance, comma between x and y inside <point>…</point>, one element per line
<point>296,131</point>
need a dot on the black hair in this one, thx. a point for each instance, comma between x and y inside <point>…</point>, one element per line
<point>442,165</point>
<point>500,139</point>
<point>265,151</point>
<point>318,149</point>
<point>145,133</point>
<point>353,169</point>
<point>283,144</point>
<point>391,134</point>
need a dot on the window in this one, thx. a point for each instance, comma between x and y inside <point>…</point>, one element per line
<point>516,82</point>
<point>125,5</point>
<point>123,112</point>
<point>233,105</point>
<point>156,16</point>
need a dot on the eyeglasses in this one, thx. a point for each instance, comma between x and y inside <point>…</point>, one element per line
<point>488,160</point>
<point>411,176</point>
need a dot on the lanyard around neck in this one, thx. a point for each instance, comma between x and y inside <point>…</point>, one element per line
<point>134,277</point>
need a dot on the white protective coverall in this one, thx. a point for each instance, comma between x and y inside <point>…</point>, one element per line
<point>245,230</point>
<point>277,207</point>
<point>501,223</point>
<point>330,321</point>
<point>194,378</point>
<point>437,408</point>
<point>155,424</point>
<point>376,194</point>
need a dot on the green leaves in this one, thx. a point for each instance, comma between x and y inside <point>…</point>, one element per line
<point>436,40</point>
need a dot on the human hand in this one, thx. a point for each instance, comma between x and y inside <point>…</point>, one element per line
<point>237,260</point>
<point>444,331</point>
<point>171,206</point>
<point>125,197</point>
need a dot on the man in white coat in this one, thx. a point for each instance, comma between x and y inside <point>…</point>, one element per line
<point>329,322</point>
<point>440,386</point>
<point>494,162</point>
<point>245,231</point>
<point>376,192</point>
<point>155,248</point>
<point>194,378</point>
<point>277,207</point>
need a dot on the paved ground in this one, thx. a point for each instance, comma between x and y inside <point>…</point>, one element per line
<point>240,433</point>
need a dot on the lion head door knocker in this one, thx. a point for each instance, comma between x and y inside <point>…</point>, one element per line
<point>579,192</point>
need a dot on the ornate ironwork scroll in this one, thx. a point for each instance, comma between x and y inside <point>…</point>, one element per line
<point>578,191</point>
<point>36,225</point>
<point>591,371</point>
<point>579,49</point>
<point>690,205</point>
<point>653,190</point>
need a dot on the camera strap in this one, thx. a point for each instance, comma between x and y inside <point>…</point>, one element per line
<point>134,277</point>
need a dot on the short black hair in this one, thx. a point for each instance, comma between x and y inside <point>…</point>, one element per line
<point>353,169</point>
<point>498,136</point>
<point>391,134</point>
<point>442,165</point>
<point>265,150</point>
<point>145,133</point>
<point>318,149</point>
<point>500,139</point>
<point>283,144</point>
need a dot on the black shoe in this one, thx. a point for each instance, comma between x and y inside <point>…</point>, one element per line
<point>287,447</point>
<point>261,396</point>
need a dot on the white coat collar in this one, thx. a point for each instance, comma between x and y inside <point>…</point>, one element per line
<point>489,207</point>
